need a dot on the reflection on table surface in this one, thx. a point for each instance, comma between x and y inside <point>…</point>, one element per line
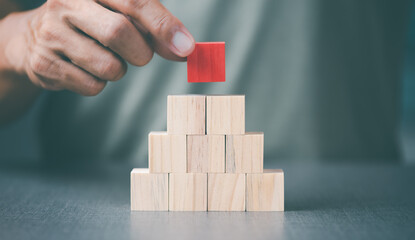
<point>321,201</point>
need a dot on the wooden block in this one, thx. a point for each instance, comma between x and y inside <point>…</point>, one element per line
<point>206,153</point>
<point>207,62</point>
<point>166,153</point>
<point>265,191</point>
<point>186,114</point>
<point>245,153</point>
<point>225,114</point>
<point>188,192</point>
<point>149,191</point>
<point>226,192</point>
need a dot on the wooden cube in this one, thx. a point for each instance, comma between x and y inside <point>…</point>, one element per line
<point>206,153</point>
<point>149,191</point>
<point>245,153</point>
<point>265,191</point>
<point>166,153</point>
<point>188,192</point>
<point>226,192</point>
<point>225,114</point>
<point>186,114</point>
<point>207,62</point>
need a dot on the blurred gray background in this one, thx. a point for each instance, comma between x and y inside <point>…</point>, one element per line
<point>324,80</point>
<point>408,101</point>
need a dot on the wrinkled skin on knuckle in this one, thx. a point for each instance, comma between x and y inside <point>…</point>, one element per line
<point>136,5</point>
<point>49,24</point>
<point>162,23</point>
<point>114,30</point>
<point>41,64</point>
<point>48,32</point>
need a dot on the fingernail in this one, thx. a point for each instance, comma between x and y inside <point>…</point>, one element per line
<point>182,42</point>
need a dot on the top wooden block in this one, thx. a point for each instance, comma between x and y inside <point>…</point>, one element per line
<point>186,114</point>
<point>225,114</point>
<point>207,62</point>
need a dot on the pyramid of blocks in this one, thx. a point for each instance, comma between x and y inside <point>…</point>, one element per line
<point>206,161</point>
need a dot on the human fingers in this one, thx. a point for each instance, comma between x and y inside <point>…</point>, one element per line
<point>112,30</point>
<point>49,71</point>
<point>169,36</point>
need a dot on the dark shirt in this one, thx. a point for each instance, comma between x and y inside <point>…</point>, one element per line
<point>29,4</point>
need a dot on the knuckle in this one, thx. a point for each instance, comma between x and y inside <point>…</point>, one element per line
<point>41,64</point>
<point>93,88</point>
<point>112,69</point>
<point>161,22</point>
<point>137,4</point>
<point>114,30</point>
<point>54,4</point>
<point>37,63</point>
<point>48,32</point>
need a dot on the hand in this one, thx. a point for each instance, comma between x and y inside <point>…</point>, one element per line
<point>79,45</point>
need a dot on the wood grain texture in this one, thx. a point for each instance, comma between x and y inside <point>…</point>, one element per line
<point>207,62</point>
<point>186,114</point>
<point>166,152</point>
<point>225,114</point>
<point>265,191</point>
<point>245,153</point>
<point>149,191</point>
<point>226,192</point>
<point>206,153</point>
<point>188,191</point>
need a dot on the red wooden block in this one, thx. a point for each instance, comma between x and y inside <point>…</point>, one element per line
<point>207,62</point>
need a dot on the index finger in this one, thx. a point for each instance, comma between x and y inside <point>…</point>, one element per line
<point>169,36</point>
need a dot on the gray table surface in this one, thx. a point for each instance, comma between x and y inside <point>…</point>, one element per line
<point>321,201</point>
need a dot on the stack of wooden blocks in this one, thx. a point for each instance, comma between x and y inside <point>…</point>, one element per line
<point>206,161</point>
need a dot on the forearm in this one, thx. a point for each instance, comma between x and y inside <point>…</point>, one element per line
<point>16,91</point>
